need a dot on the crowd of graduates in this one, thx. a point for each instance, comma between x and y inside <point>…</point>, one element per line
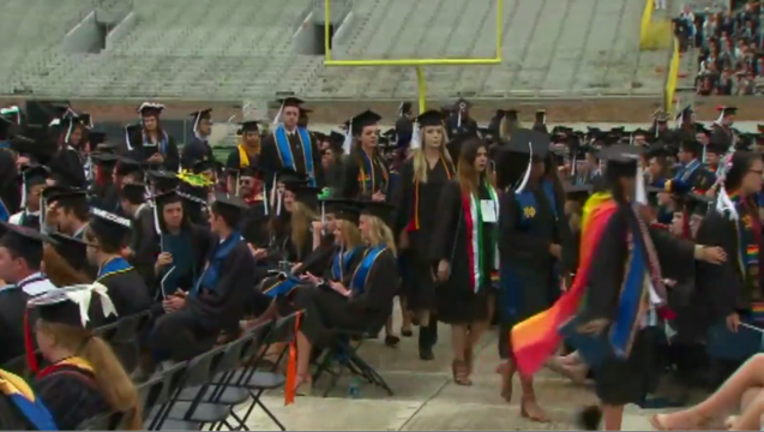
<point>615,255</point>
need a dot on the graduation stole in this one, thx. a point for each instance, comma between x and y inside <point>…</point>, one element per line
<point>114,266</point>
<point>4,213</point>
<point>369,181</point>
<point>686,171</point>
<point>548,187</point>
<point>414,223</point>
<point>284,284</point>
<point>77,363</point>
<point>285,150</point>
<point>361,276</point>
<point>747,229</point>
<point>243,156</point>
<point>211,273</point>
<point>20,394</point>
<point>162,144</point>
<point>473,218</point>
<point>340,263</point>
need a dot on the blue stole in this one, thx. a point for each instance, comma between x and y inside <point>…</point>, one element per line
<point>29,405</point>
<point>626,322</point>
<point>285,150</point>
<point>162,145</point>
<point>4,213</point>
<point>341,262</point>
<point>682,176</point>
<point>5,144</point>
<point>361,276</point>
<point>548,187</point>
<point>116,265</point>
<point>283,287</point>
<point>211,274</point>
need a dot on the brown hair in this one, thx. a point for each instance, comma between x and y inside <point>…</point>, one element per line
<point>469,178</point>
<point>301,222</point>
<point>59,271</point>
<point>112,380</point>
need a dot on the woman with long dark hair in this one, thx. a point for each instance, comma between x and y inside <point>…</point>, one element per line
<point>464,246</point>
<point>367,175</point>
<point>148,142</point>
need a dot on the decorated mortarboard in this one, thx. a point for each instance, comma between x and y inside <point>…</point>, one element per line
<point>661,116</point>
<point>198,116</point>
<point>108,227</point>
<point>150,109</point>
<point>71,249</point>
<point>379,209</point>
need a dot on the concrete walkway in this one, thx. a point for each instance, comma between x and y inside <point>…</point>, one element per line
<point>426,397</point>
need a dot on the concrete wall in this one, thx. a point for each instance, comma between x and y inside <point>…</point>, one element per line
<point>84,37</point>
<point>121,30</point>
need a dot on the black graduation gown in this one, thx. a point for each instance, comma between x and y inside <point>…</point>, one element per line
<point>10,189</point>
<point>142,239</point>
<point>68,159</point>
<point>404,128</point>
<point>233,162</point>
<point>271,162</point>
<point>527,227</point>
<point>71,394</point>
<point>141,153</point>
<point>456,302</point>
<point>721,135</point>
<point>621,381</point>
<point>195,151</point>
<point>13,303</point>
<point>106,197</point>
<point>325,309</point>
<point>419,202</point>
<point>200,240</point>
<point>468,126</point>
<point>128,292</point>
<point>354,186</point>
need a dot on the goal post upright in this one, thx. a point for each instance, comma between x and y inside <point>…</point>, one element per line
<point>418,64</point>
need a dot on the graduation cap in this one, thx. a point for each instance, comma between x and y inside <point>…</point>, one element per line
<point>229,204</point>
<point>379,209</point>
<point>65,196</point>
<point>657,149</point>
<point>32,175</point>
<point>717,148</point>
<point>541,116</point>
<point>204,165</point>
<point>307,195</point>
<point>95,138</point>
<point>148,109</point>
<point>162,179</point>
<point>106,160</point>
<point>577,192</point>
<point>622,160</point>
<point>360,121</point>
<point>40,151</point>
<point>134,193</point>
<point>249,126</point>
<point>462,104</point>
<point>691,146</point>
<point>343,209</point>
<point>130,131</point>
<point>526,142</point>
<point>684,115</point>
<point>289,101</point>
<point>661,116</point>
<point>72,250</point>
<point>304,112</point>
<point>288,175</point>
<point>725,111</point>
<point>127,166</point>
<point>71,305</point>
<point>429,118</point>
<point>109,229</point>
<point>61,173</point>
<point>205,114</point>
<point>23,241</point>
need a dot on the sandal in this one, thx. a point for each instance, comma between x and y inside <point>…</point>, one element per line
<point>461,373</point>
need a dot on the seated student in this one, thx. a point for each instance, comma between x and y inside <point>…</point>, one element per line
<point>193,321</point>
<point>66,210</point>
<point>179,248</point>
<point>105,238</point>
<point>301,202</point>
<point>20,408</point>
<point>33,183</point>
<point>20,258</point>
<point>64,261</point>
<point>84,379</point>
<point>363,301</point>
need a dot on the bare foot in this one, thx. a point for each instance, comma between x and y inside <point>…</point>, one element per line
<point>730,422</point>
<point>508,371</point>
<point>531,410</point>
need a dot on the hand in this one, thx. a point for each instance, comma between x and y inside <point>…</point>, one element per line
<point>671,283</point>
<point>294,267</point>
<point>555,250</point>
<point>173,303</point>
<point>258,253</point>
<point>444,270</point>
<point>317,226</point>
<point>164,259</point>
<point>378,196</point>
<point>403,241</point>
<point>311,278</point>
<point>180,293</point>
<point>339,288</point>
<point>733,322</point>
<point>713,255</point>
<point>156,158</point>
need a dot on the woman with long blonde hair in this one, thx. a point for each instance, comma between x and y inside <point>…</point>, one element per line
<point>85,379</point>
<point>423,177</point>
<point>357,299</point>
<point>464,248</point>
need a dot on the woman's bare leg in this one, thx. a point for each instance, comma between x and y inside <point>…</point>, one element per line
<point>303,360</point>
<point>750,419</point>
<point>613,415</point>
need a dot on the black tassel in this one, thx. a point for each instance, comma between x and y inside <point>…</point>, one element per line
<point>589,418</point>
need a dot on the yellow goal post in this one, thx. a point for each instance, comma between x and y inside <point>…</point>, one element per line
<point>418,64</point>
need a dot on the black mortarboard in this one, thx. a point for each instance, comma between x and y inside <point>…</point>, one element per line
<point>725,111</point>
<point>108,228</point>
<point>336,139</point>
<point>163,179</point>
<point>126,166</point>
<point>198,116</point>
<point>231,202</point>
<point>291,102</point>
<point>41,151</point>
<point>307,195</point>
<point>511,114</point>
<point>95,138</point>
<point>691,146</point>
<point>430,118</point>
<point>344,209</point>
<point>716,148</point>
<point>61,173</point>
<point>65,196</point>
<point>360,121</point>
<point>378,209</point>
<point>134,193</point>
<point>201,166</point>
<point>657,149</point>
<point>249,126</point>
<point>72,250</point>
<point>150,109</point>
<point>34,175</point>
<point>684,114</point>
<point>104,159</point>
<point>463,104</point>
<point>86,120</point>
<point>305,111</point>
<point>67,306</point>
<point>23,241</point>
<point>525,141</point>
<point>640,131</point>
<point>168,197</point>
<point>288,175</point>
<point>622,160</point>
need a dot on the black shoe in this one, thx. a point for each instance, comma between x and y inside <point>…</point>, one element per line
<point>392,341</point>
<point>407,333</point>
<point>426,354</point>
